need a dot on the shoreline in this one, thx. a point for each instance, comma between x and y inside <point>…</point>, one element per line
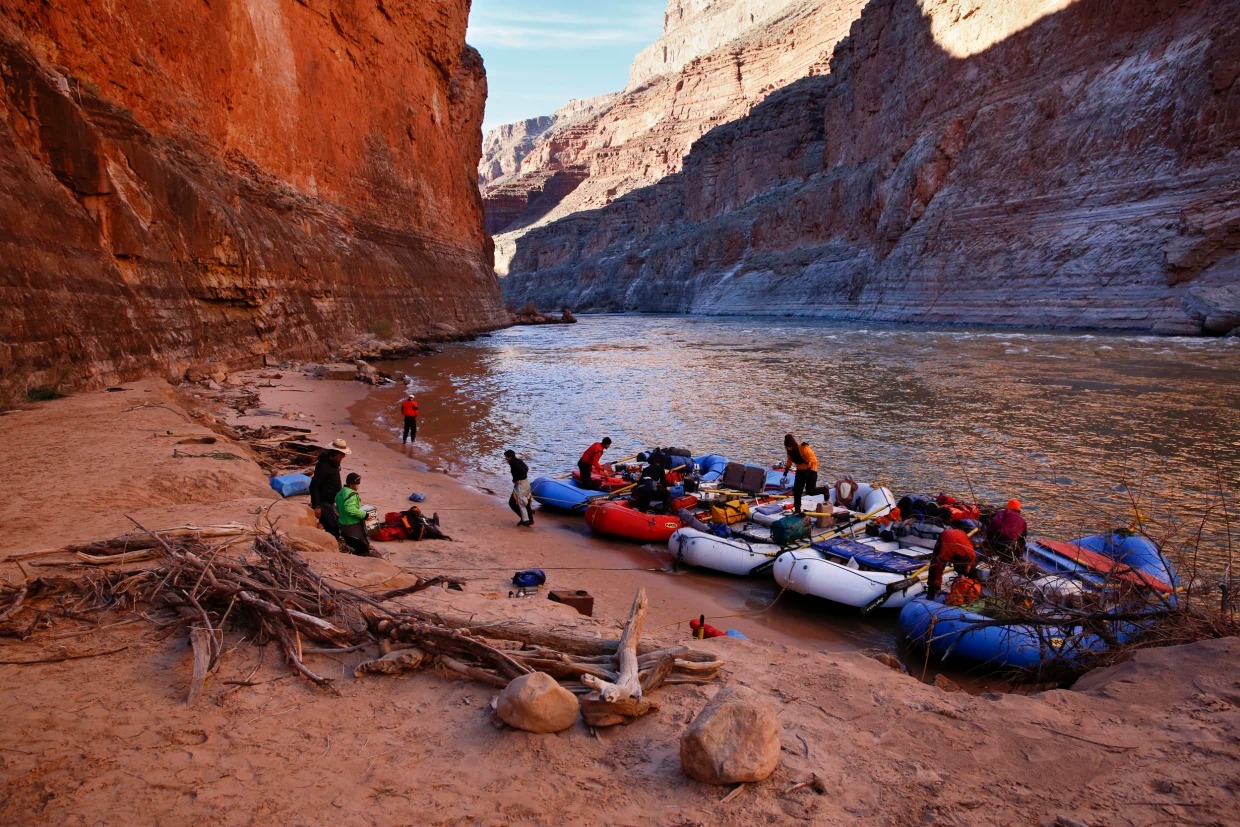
<point>1149,740</point>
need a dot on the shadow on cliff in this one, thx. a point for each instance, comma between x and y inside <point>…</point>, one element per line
<point>849,167</point>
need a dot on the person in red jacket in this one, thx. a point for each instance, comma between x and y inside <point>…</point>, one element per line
<point>409,409</point>
<point>1006,531</point>
<point>589,463</point>
<point>953,548</point>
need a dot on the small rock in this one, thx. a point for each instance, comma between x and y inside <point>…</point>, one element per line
<point>403,660</point>
<point>947,684</point>
<point>219,376</point>
<point>734,738</point>
<point>888,659</point>
<point>198,373</point>
<point>536,703</point>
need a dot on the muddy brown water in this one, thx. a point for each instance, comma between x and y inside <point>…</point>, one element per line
<point>1083,428</point>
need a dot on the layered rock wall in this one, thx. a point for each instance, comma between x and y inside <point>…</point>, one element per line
<point>1080,168</point>
<point>643,134</point>
<point>183,182</point>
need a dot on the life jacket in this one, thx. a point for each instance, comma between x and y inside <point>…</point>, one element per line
<point>965,590</point>
<point>956,547</point>
<point>409,407</point>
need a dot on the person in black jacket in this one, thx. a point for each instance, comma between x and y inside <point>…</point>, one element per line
<point>651,486</point>
<point>325,485</point>
<point>522,499</point>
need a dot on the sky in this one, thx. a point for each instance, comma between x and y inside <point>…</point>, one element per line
<point>540,54</point>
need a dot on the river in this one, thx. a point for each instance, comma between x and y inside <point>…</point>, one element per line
<point>1083,428</point>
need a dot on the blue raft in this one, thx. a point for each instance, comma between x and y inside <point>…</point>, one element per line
<point>953,633</point>
<point>711,466</point>
<point>562,494</point>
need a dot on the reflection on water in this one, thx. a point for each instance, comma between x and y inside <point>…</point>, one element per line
<point>1077,426</point>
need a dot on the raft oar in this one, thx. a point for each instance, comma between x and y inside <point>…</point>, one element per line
<point>898,586</point>
<point>620,491</point>
<point>613,463</point>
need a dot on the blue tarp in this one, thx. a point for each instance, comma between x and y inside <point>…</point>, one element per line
<point>290,485</point>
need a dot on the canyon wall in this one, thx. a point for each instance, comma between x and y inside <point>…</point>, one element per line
<point>184,182</point>
<point>641,135</point>
<point>1029,163</point>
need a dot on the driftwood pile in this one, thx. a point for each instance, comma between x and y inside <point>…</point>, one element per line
<point>270,593</point>
<point>281,449</point>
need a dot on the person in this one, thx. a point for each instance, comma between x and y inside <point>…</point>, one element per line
<point>651,486</point>
<point>409,409</point>
<point>325,485</point>
<point>953,548</point>
<point>589,463</point>
<point>1007,530</point>
<point>522,499</point>
<point>352,517</point>
<point>802,457</point>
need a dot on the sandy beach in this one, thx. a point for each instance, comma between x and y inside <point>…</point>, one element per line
<point>109,739</point>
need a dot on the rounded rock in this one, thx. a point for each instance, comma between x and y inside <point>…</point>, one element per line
<point>734,738</point>
<point>537,703</point>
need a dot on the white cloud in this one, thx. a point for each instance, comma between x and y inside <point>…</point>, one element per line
<point>558,30</point>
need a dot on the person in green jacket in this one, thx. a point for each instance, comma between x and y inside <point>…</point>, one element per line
<point>351,516</point>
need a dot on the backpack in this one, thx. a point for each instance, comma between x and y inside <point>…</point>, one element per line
<point>529,578</point>
<point>788,530</point>
<point>387,533</point>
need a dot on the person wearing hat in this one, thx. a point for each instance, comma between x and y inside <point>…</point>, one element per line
<point>325,485</point>
<point>589,463</point>
<point>522,499</point>
<point>1006,531</point>
<point>352,516</point>
<point>409,410</point>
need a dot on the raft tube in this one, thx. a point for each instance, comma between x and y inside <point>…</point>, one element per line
<point>730,555</point>
<point>620,519</point>
<point>562,494</point>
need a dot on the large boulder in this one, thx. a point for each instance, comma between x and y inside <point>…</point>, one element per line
<point>536,703</point>
<point>735,738</point>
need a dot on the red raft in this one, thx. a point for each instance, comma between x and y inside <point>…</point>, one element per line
<point>620,519</point>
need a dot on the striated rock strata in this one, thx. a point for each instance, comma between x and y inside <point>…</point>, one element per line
<point>263,177</point>
<point>1017,163</point>
<point>716,59</point>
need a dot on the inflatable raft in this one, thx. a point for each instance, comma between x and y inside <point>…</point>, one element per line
<point>562,494</point>
<point>1129,567</point>
<point>731,555</point>
<point>620,519</point>
<point>855,572</point>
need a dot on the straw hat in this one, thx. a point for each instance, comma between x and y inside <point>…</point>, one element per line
<point>341,446</point>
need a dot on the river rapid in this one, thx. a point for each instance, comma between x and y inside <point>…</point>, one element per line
<point>1083,428</point>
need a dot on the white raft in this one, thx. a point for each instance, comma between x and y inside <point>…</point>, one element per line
<point>731,555</point>
<point>856,572</point>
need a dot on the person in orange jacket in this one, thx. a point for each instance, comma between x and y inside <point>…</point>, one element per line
<point>802,457</point>
<point>953,548</point>
<point>409,409</point>
<point>589,463</point>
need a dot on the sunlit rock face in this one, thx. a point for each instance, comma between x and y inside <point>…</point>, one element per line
<point>722,57</point>
<point>1061,167</point>
<point>264,177</point>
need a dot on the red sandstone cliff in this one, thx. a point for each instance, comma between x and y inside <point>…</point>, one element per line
<point>183,181</point>
<point>1039,162</point>
<point>715,61</point>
